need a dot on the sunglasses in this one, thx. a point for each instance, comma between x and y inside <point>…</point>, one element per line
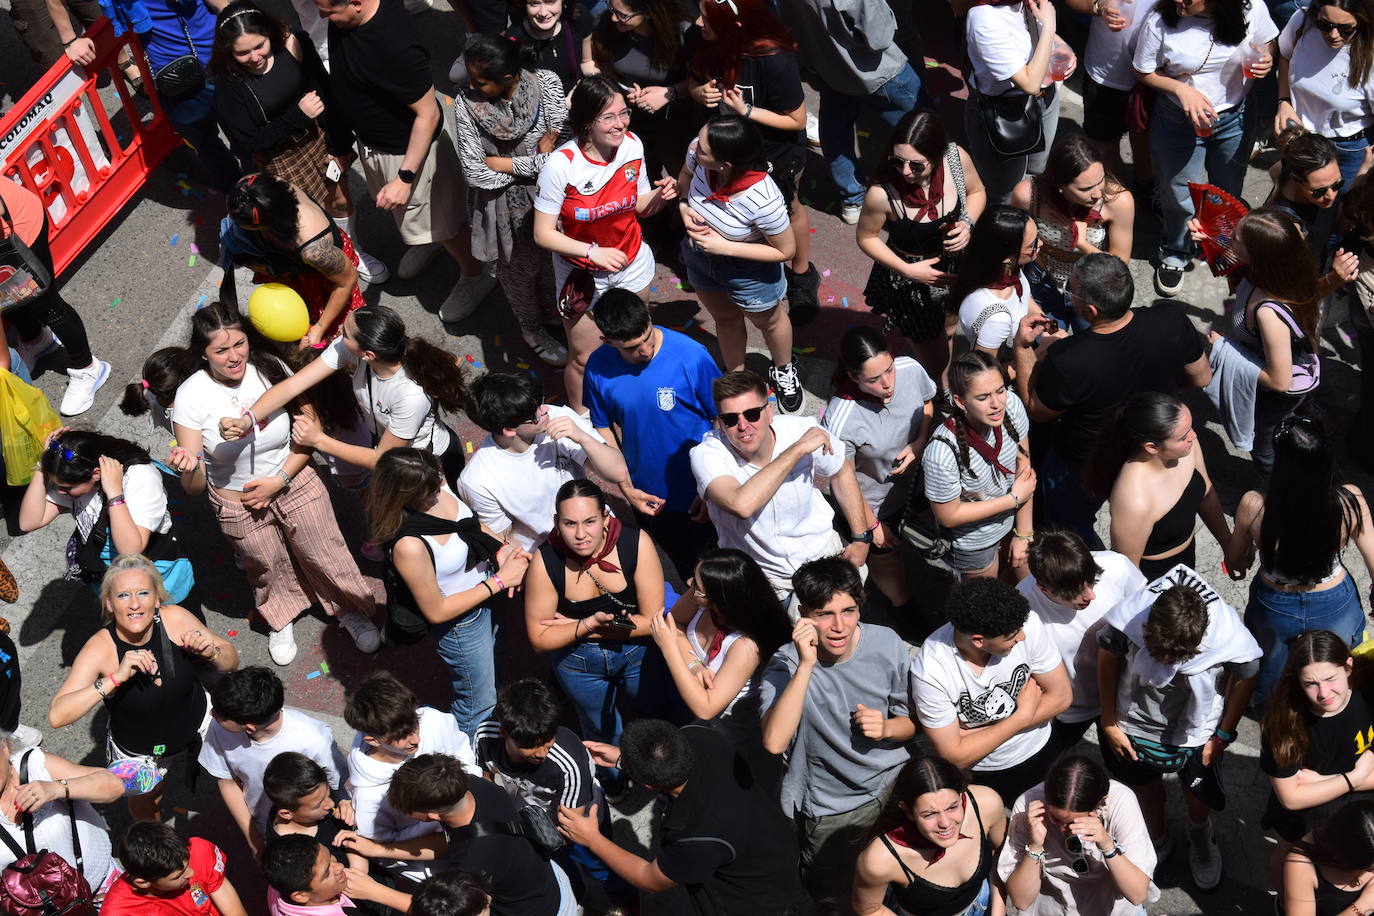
<point>66,454</point>
<point>1333,188</point>
<point>1343,30</point>
<point>1074,844</point>
<point>917,166</point>
<point>731,420</point>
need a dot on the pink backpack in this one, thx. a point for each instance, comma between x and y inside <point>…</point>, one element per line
<point>43,883</point>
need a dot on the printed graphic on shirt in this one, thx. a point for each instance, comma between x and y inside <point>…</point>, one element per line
<point>667,398</point>
<point>996,703</point>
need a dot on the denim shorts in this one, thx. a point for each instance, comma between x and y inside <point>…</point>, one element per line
<point>755,286</point>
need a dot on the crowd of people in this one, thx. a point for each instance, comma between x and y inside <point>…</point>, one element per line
<point>729,614</point>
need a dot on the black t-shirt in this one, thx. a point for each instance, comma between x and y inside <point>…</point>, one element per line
<point>1334,742</point>
<point>377,71</point>
<point>563,778</point>
<point>725,840</point>
<point>522,882</point>
<point>1089,374</point>
<point>561,54</point>
<point>325,831</point>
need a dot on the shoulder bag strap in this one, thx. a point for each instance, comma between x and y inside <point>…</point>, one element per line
<point>28,817</point>
<point>479,829</point>
<point>185,31</point>
<point>371,407</point>
<point>986,314</point>
<point>14,847</point>
<point>956,171</point>
<point>167,665</point>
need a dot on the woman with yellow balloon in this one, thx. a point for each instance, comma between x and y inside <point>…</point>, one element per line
<point>270,503</point>
<point>288,239</point>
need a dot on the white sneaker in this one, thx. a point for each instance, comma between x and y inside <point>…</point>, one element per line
<point>813,131</point>
<point>27,736</point>
<point>82,387</point>
<point>546,347</point>
<point>364,633</point>
<point>849,213</point>
<point>1204,857</point>
<point>416,259</point>
<point>32,351</point>
<point>467,294</point>
<point>370,269</point>
<point>281,644</point>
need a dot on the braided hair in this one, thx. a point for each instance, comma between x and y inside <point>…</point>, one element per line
<point>962,371</point>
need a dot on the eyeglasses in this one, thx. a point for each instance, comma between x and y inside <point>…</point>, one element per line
<point>1074,844</point>
<point>1344,30</point>
<point>618,16</point>
<point>731,420</point>
<point>610,118</point>
<point>1331,188</point>
<point>917,166</point>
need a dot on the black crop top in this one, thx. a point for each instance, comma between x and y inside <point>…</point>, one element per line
<point>927,899</point>
<point>1175,527</point>
<point>628,549</point>
<point>144,714</point>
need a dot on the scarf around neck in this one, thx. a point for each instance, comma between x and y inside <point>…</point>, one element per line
<point>926,200</point>
<point>598,559</point>
<point>990,453</point>
<point>741,182</point>
<point>506,119</point>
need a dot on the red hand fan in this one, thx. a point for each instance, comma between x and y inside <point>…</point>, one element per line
<point>1219,213</point>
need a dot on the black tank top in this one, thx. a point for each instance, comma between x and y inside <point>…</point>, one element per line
<point>1332,900</point>
<point>1175,527</point>
<point>144,715</point>
<point>921,897</point>
<point>628,549</point>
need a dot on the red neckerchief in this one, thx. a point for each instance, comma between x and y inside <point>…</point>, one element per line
<point>906,835</point>
<point>849,390</point>
<point>718,640</point>
<point>992,454</point>
<point>1008,281</point>
<point>1088,215</point>
<point>561,548</point>
<point>927,200</point>
<point>732,187</point>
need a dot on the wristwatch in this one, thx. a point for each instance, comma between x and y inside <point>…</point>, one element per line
<point>863,537</point>
<point>1116,850</point>
<point>406,175</point>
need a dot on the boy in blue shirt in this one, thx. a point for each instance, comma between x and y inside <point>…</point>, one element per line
<point>661,379</point>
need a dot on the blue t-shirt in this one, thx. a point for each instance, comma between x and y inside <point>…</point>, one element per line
<point>663,408</point>
<point>165,42</point>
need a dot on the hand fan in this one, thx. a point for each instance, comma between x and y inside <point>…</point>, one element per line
<point>1219,213</point>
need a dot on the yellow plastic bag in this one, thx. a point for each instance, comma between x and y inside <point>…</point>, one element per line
<point>26,420</point>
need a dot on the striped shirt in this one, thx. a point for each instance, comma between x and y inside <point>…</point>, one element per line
<point>946,481</point>
<point>564,777</point>
<point>756,212</point>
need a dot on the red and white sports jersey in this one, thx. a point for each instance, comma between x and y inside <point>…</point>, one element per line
<point>595,201</point>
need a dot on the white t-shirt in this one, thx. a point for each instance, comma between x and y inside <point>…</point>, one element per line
<point>1319,82</point>
<point>1186,52</point>
<point>396,403</point>
<point>792,528</point>
<point>945,689</point>
<point>1074,633</point>
<point>143,494</point>
<point>1108,55</point>
<point>201,402</point>
<point>757,212</point>
<point>999,46</point>
<point>52,827</point>
<point>516,492</point>
<point>451,558</point>
<point>999,328</point>
<point>230,755</point>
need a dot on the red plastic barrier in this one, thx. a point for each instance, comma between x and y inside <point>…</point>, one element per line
<point>83,159</point>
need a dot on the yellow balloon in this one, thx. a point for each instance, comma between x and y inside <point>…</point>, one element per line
<point>278,312</point>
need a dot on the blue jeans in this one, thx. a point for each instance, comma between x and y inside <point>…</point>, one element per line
<point>981,903</point>
<point>840,112</point>
<point>598,676</point>
<point>467,646</point>
<point>1276,616</point>
<point>1065,502</point>
<point>1350,156</point>
<point>1181,156</point>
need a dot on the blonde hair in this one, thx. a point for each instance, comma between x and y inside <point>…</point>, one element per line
<point>135,562</point>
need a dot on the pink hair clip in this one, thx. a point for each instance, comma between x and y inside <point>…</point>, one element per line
<point>144,383</point>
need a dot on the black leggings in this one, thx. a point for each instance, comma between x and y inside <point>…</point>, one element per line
<point>52,310</point>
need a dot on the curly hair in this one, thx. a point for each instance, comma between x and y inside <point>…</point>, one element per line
<point>986,607</point>
<point>1174,629</point>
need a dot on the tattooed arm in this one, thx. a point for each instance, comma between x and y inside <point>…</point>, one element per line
<point>327,258</point>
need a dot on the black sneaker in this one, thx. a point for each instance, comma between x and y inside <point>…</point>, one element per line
<point>803,301</point>
<point>1168,280</point>
<point>787,387</point>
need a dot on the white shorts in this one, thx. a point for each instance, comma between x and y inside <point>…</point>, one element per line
<point>635,276</point>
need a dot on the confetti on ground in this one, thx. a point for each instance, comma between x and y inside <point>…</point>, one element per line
<point>232,633</point>
<point>468,447</point>
<point>468,357</point>
<point>803,350</point>
<point>675,280</point>
<point>312,675</point>
<point>653,289</point>
<point>534,374</point>
<point>118,300</point>
<point>201,304</point>
<point>813,231</point>
<point>191,261</point>
<point>324,666</point>
<point>846,302</point>
<point>174,240</point>
<point>825,273</point>
<point>194,248</point>
<point>522,365</point>
<point>829,299</point>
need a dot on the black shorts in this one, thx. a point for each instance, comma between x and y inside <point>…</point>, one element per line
<point>786,165</point>
<point>1104,111</point>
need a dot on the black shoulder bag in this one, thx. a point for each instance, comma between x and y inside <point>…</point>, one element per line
<point>534,824</point>
<point>184,76</point>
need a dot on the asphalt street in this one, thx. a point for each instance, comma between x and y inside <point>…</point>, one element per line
<point>138,285</point>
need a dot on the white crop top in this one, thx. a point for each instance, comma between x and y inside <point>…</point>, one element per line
<point>451,557</point>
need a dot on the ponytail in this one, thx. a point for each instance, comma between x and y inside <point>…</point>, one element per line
<point>163,373</point>
<point>436,371</point>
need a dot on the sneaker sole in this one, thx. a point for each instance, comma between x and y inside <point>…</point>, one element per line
<point>104,377</point>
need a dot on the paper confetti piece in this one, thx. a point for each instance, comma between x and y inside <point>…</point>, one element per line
<point>813,231</point>
<point>232,633</point>
<point>118,300</point>
<point>312,675</point>
<point>324,666</point>
<point>829,299</point>
<point>534,374</point>
<point>175,239</point>
<point>191,261</point>
<point>194,249</point>
<point>468,447</point>
<point>653,289</point>
<point>522,365</point>
<point>201,304</point>
<point>468,357</point>
<point>846,302</point>
<point>674,280</point>
<point>825,273</point>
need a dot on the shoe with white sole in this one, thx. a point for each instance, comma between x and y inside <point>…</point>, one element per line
<point>1204,856</point>
<point>546,347</point>
<point>31,351</point>
<point>813,131</point>
<point>83,385</point>
<point>849,213</point>
<point>281,644</point>
<point>416,259</point>
<point>364,633</point>
<point>27,736</point>
<point>467,295</point>
<point>370,269</point>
